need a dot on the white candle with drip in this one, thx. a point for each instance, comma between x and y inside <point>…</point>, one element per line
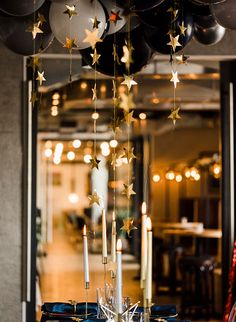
<point>86,264</point>
<point>148,289</point>
<point>113,238</point>
<point>119,306</point>
<point>104,237</point>
<point>143,246</point>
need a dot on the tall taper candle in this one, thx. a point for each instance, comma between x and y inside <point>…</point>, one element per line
<point>86,264</point>
<point>149,263</point>
<point>104,237</point>
<point>143,246</point>
<point>119,306</point>
<point>113,238</point>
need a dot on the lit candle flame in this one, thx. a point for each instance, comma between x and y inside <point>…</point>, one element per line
<point>149,224</point>
<point>119,245</point>
<point>84,230</point>
<point>144,208</point>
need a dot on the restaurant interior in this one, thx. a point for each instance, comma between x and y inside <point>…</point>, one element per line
<point>126,172</point>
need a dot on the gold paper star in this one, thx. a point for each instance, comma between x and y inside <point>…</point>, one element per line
<point>41,19</point>
<point>174,78</point>
<point>127,56</point>
<point>34,62</point>
<point>173,11</point>
<point>94,162</point>
<point>34,29</point>
<point>129,82</point>
<point>95,22</point>
<point>94,198</point>
<point>128,117</point>
<point>128,225</point>
<point>94,90</point>
<point>41,78</point>
<point>70,44</point>
<point>115,125</point>
<point>114,16</point>
<point>126,101</point>
<point>128,155</point>
<point>174,42</point>
<point>92,37</point>
<point>111,267</point>
<point>182,28</point>
<point>115,55</point>
<point>33,98</point>
<point>70,11</point>
<point>174,115</point>
<point>128,190</point>
<point>182,59</point>
<point>95,57</point>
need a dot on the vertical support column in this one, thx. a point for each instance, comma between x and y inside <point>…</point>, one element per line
<point>228,106</point>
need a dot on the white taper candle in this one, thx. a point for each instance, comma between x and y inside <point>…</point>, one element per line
<point>149,263</point>
<point>104,237</point>
<point>86,264</point>
<point>119,306</point>
<point>113,238</point>
<point>143,246</point>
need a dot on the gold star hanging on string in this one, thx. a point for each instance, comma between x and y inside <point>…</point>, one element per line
<point>94,91</point>
<point>94,162</point>
<point>92,37</point>
<point>41,78</point>
<point>34,29</point>
<point>173,11</point>
<point>70,11</point>
<point>95,22</point>
<point>128,190</point>
<point>41,19</point>
<point>174,115</point>
<point>128,117</point>
<point>129,82</point>
<point>126,101</point>
<point>115,16</point>
<point>34,62</point>
<point>174,42</point>
<point>182,28</point>
<point>128,225</point>
<point>127,56</point>
<point>70,44</point>
<point>34,97</point>
<point>182,59</point>
<point>174,78</point>
<point>115,55</point>
<point>128,154</point>
<point>95,57</point>
<point>115,125</point>
<point>94,198</point>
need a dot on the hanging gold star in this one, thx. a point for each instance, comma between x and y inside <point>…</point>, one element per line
<point>94,198</point>
<point>111,267</point>
<point>95,57</point>
<point>114,16</point>
<point>115,125</point>
<point>174,42</point>
<point>41,19</point>
<point>115,55</point>
<point>182,59</point>
<point>76,319</point>
<point>34,62</point>
<point>129,82</point>
<point>128,117</point>
<point>182,28</point>
<point>34,29</point>
<point>173,11</point>
<point>128,155</point>
<point>94,162</point>
<point>34,97</point>
<point>174,115</point>
<point>128,190</point>
<point>128,225</point>
<point>127,56</point>
<point>174,78</point>
<point>70,44</point>
<point>92,37</point>
<point>95,22</point>
<point>126,102</point>
<point>70,11</point>
<point>41,78</point>
<point>94,90</point>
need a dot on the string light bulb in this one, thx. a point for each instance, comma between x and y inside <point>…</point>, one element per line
<point>170,175</point>
<point>87,158</point>
<point>142,116</point>
<point>48,152</point>
<point>56,96</point>
<point>71,155</point>
<point>113,143</point>
<point>95,116</point>
<point>178,177</point>
<point>76,144</point>
<point>156,178</point>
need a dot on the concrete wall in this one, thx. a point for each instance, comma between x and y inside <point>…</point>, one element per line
<point>10,186</point>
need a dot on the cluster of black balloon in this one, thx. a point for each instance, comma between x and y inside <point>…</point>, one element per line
<point>205,20</point>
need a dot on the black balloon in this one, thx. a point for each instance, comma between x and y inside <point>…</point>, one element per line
<point>140,55</point>
<point>209,36</point>
<point>14,36</point>
<point>20,7</point>
<point>225,13</point>
<point>140,5</point>
<point>208,1</point>
<point>205,21</point>
<point>158,38</point>
<point>198,9</point>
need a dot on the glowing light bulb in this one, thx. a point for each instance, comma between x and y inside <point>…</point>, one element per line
<point>76,144</point>
<point>156,178</point>
<point>104,145</point>
<point>178,177</point>
<point>71,155</point>
<point>48,152</point>
<point>95,116</point>
<point>170,175</point>
<point>56,96</point>
<point>142,116</point>
<point>113,143</point>
<point>73,198</point>
<point>87,158</point>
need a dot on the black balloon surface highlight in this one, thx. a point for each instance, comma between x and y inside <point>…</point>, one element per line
<point>14,36</point>
<point>209,36</point>
<point>141,53</point>
<point>20,7</point>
